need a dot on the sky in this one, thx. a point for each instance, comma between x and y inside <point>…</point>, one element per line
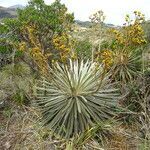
<point>114,10</point>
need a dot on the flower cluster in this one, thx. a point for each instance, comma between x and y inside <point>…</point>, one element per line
<point>98,17</point>
<point>105,57</point>
<point>132,33</point>
<point>135,30</point>
<point>119,37</point>
<point>64,44</point>
<point>34,50</point>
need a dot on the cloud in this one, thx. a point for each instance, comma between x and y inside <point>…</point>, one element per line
<point>7,3</point>
<point>115,10</point>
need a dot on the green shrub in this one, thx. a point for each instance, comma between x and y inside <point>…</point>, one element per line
<point>84,49</point>
<point>16,82</point>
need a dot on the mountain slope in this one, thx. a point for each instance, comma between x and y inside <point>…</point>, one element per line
<point>7,12</point>
<point>16,6</point>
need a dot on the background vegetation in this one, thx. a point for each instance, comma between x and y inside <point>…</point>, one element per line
<point>66,84</point>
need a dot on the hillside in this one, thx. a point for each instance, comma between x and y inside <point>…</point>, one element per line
<point>16,6</point>
<point>9,12</point>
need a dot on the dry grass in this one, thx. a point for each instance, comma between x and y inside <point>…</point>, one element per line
<point>20,130</point>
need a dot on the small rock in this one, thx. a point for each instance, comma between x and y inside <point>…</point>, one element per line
<point>7,145</point>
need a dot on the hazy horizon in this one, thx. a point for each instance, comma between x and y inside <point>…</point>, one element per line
<point>114,11</point>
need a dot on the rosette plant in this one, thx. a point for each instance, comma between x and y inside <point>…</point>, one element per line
<point>126,65</point>
<point>77,96</point>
